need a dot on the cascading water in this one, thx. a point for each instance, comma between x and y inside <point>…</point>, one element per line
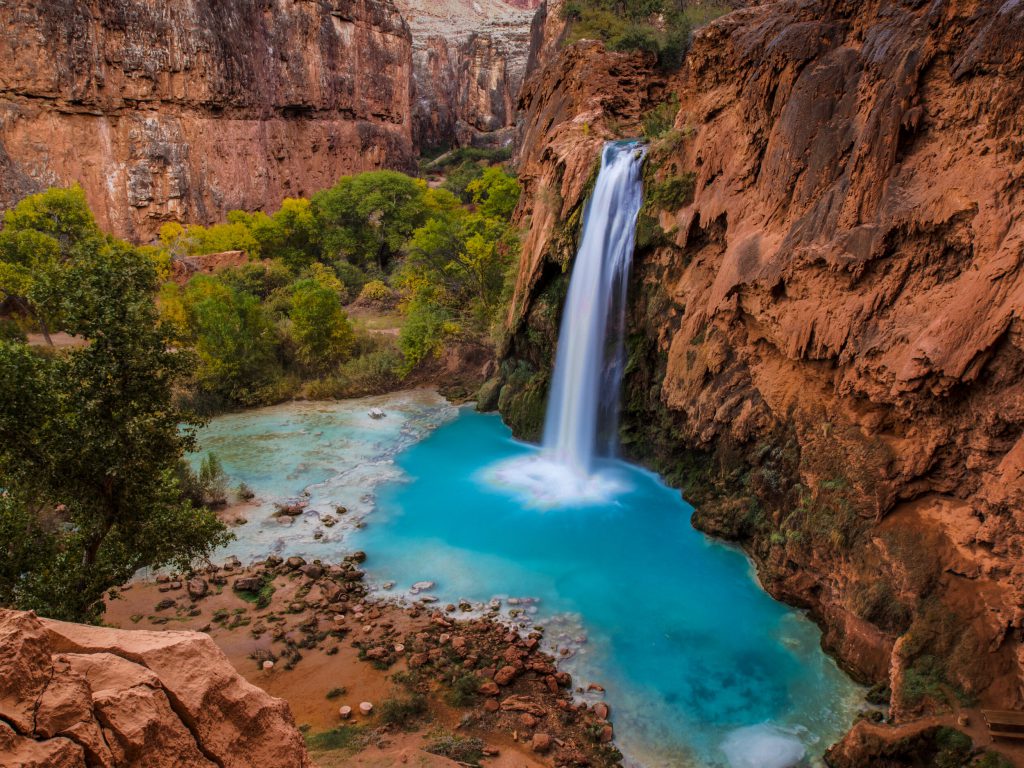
<point>582,415</point>
<point>581,424</point>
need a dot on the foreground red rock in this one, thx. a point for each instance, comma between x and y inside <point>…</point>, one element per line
<point>825,332</point>
<point>75,695</point>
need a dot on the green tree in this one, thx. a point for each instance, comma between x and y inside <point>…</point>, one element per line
<point>495,193</point>
<point>235,341</point>
<point>90,438</point>
<point>321,329</point>
<point>367,218</point>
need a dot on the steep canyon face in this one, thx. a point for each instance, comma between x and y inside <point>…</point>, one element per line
<point>183,111</point>
<point>825,335</point>
<point>469,58</point>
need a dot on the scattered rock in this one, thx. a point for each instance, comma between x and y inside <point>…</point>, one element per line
<point>505,675</point>
<point>198,588</point>
<point>540,743</point>
<point>294,562</point>
<point>313,571</point>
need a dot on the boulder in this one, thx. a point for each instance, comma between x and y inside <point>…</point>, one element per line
<point>313,571</point>
<point>295,562</point>
<point>198,588</point>
<point>540,743</point>
<point>74,695</point>
<point>505,675</point>
<point>248,584</point>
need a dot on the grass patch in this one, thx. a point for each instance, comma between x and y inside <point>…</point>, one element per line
<point>344,737</point>
<point>336,692</point>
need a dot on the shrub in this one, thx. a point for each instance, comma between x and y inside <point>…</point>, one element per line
<point>372,373</point>
<point>660,119</point>
<point>401,712</point>
<point>375,292</point>
<point>461,750</point>
<point>463,692</point>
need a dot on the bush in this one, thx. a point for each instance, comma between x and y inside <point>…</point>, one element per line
<point>401,712</point>
<point>461,750</point>
<point>463,692</point>
<point>375,292</point>
<point>373,373</point>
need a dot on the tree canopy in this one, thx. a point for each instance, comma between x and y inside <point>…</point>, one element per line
<point>90,438</point>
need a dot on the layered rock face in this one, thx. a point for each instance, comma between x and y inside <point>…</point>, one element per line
<point>825,330</point>
<point>74,695</point>
<point>469,60</point>
<point>183,111</point>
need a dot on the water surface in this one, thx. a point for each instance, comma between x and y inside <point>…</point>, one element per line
<point>701,666</point>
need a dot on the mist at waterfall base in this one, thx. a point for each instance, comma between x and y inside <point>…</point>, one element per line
<point>699,663</point>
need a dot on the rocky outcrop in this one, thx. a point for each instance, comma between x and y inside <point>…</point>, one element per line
<point>469,58</point>
<point>76,696</point>
<point>825,327</point>
<point>183,111</point>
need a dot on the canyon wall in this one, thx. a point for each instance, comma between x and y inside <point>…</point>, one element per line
<point>182,111</point>
<point>469,57</point>
<point>73,696</point>
<point>825,338</point>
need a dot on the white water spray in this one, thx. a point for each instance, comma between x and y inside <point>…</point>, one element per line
<point>583,408</point>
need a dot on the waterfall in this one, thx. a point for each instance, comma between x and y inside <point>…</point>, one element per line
<point>582,419</point>
<point>583,409</point>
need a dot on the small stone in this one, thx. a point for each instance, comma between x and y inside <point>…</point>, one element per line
<point>163,605</point>
<point>528,720</point>
<point>421,586</point>
<point>491,705</point>
<point>540,743</point>
<point>313,571</point>
<point>607,734</point>
<point>418,660</point>
<point>365,707</point>
<point>399,648</point>
<point>505,675</point>
<point>488,688</point>
<point>198,588</point>
<point>601,710</point>
<point>595,687</point>
<point>294,562</point>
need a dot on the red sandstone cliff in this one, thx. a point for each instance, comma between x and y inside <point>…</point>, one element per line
<point>826,346</point>
<point>74,695</point>
<point>182,111</point>
<point>469,57</point>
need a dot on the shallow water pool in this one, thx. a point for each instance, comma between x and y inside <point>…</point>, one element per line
<point>701,667</point>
